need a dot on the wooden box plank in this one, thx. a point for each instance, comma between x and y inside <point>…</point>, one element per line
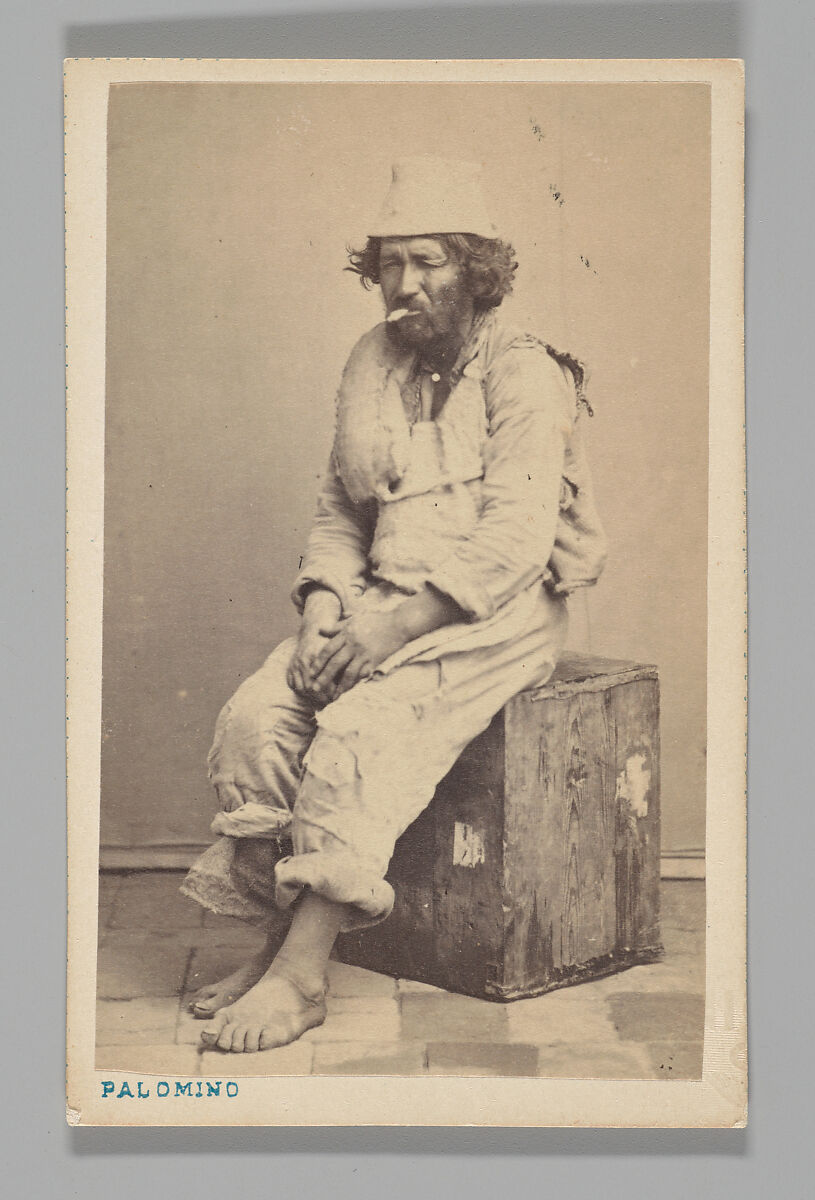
<point>537,863</point>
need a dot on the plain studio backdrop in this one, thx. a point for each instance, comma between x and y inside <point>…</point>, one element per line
<point>230,319</point>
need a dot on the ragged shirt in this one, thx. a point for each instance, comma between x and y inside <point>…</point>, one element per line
<point>486,502</point>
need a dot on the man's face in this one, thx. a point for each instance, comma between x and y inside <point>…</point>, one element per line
<point>419,275</point>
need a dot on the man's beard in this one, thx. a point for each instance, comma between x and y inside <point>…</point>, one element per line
<point>415,333</point>
<point>436,326</point>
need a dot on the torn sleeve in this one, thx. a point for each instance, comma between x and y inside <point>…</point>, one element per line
<point>336,556</point>
<point>530,409</point>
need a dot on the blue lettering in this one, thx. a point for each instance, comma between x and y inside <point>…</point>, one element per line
<point>183,1089</point>
<point>162,1088</point>
<point>213,1089</point>
<point>124,1090</point>
<point>231,1085</point>
<point>142,1095</point>
<point>107,1087</point>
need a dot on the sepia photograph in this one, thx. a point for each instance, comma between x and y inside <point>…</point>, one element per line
<point>406,583</point>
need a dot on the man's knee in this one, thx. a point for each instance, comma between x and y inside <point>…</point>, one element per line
<point>262,702</point>
<point>266,687</point>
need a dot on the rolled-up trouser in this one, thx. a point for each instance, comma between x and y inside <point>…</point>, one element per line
<point>345,781</point>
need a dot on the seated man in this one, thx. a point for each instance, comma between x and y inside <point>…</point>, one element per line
<point>456,516</point>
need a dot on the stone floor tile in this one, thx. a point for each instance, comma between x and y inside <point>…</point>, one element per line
<point>278,923</point>
<point>155,944</point>
<point>683,973</point>
<point>364,1005</point>
<point>188,1028</point>
<point>451,1018</point>
<point>216,921</point>
<point>135,1022</point>
<point>481,1058</point>
<point>356,981</point>
<point>229,931</point>
<point>140,965</point>
<point>109,885</point>
<point>676,1060</point>
<point>295,1059</point>
<point>408,987</point>
<point>141,938</point>
<point>675,973</point>
<point>658,1016</point>
<point>593,1062</point>
<point>240,936</point>
<point>561,1016</point>
<point>591,992</point>
<point>382,1026</point>
<point>683,941</point>
<point>151,900</point>
<point>682,904</point>
<point>369,1058</point>
<point>149,1060</point>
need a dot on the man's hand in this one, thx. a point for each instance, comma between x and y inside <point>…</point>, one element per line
<point>334,652</point>
<point>355,646</point>
<point>322,607</point>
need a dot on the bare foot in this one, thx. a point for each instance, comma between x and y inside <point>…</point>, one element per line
<point>207,1000</point>
<point>274,1012</point>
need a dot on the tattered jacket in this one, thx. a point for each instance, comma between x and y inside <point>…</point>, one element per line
<point>489,498</point>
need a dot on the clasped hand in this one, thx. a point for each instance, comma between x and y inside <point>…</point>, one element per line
<point>333,656</point>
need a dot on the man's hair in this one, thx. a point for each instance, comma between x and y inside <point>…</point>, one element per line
<point>488,264</point>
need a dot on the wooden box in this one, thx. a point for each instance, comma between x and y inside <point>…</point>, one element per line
<point>537,863</point>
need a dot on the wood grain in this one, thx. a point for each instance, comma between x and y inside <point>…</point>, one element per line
<point>553,877</point>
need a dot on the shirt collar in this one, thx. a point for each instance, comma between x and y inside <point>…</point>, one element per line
<point>482,322</point>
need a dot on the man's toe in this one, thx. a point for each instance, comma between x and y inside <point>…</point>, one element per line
<point>211,1032</point>
<point>224,1041</point>
<point>238,1039</point>
<point>252,1041</point>
<point>203,1008</point>
<point>199,998</point>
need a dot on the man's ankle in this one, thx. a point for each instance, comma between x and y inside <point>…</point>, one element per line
<point>310,979</point>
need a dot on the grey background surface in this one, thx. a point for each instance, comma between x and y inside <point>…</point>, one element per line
<point>772,1156</point>
<point>226,340</point>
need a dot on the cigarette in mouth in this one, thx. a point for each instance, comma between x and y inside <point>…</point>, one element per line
<point>399,313</point>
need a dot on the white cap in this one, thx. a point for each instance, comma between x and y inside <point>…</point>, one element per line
<point>434,195</point>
